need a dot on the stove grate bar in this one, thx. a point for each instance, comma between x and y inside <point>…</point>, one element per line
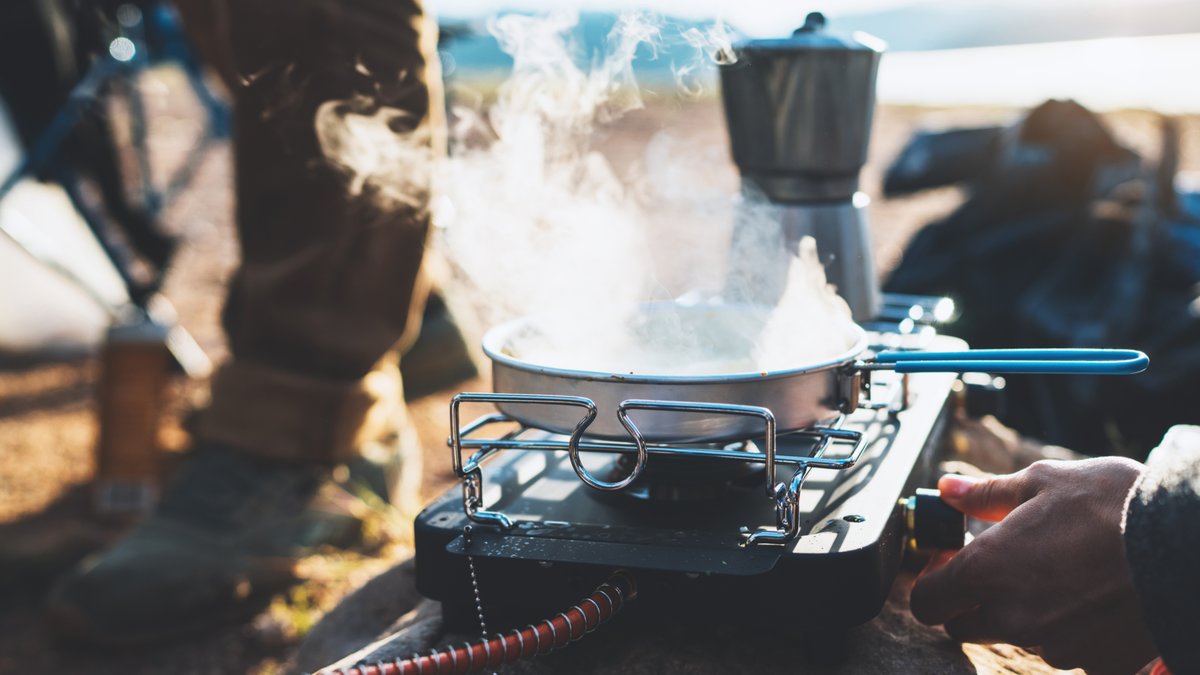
<point>784,494</point>
<point>661,449</point>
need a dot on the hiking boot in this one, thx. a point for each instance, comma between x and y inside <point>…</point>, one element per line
<point>36,548</point>
<point>225,537</point>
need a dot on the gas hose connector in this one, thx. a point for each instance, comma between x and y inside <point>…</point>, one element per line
<point>933,524</point>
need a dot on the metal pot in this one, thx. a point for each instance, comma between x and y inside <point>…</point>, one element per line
<point>797,397</point>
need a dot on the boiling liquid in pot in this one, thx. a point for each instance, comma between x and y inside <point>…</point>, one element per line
<point>680,341</point>
<point>802,322</point>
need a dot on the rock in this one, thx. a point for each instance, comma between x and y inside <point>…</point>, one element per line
<point>381,607</point>
<point>985,446</point>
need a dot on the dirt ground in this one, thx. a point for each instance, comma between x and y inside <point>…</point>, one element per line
<point>46,419</point>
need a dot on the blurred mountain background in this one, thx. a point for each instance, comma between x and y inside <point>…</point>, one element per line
<point>1108,54</point>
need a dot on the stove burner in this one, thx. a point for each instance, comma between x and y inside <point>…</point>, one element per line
<point>682,479</point>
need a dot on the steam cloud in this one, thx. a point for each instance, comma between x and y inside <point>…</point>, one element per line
<point>535,221</point>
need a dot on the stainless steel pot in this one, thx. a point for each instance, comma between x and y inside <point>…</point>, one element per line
<point>797,397</point>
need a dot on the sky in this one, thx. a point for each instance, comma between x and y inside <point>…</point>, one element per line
<point>1104,74</point>
<point>755,17</point>
<point>752,16</point>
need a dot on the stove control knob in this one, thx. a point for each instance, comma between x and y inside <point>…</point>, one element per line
<point>932,523</point>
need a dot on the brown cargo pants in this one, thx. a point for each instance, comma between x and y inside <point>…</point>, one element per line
<point>329,283</point>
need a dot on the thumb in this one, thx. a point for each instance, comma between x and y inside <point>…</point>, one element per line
<point>987,499</point>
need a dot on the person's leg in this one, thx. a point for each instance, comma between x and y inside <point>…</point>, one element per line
<point>328,274</point>
<point>328,285</point>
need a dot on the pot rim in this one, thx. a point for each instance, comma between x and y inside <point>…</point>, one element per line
<point>497,338</point>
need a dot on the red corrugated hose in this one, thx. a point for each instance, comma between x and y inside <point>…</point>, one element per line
<point>540,638</point>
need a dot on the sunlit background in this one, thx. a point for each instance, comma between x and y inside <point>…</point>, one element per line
<point>1108,54</point>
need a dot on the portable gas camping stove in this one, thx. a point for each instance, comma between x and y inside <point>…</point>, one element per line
<point>806,528</point>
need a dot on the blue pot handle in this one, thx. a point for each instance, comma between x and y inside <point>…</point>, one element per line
<point>1023,361</point>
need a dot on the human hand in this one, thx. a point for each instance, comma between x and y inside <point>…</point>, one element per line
<point>1051,575</point>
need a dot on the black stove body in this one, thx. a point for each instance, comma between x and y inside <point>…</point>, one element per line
<point>539,538</point>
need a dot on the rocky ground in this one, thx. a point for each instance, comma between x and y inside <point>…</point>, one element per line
<point>47,428</point>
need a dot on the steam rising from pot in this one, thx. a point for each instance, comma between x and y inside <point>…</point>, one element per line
<point>534,219</point>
